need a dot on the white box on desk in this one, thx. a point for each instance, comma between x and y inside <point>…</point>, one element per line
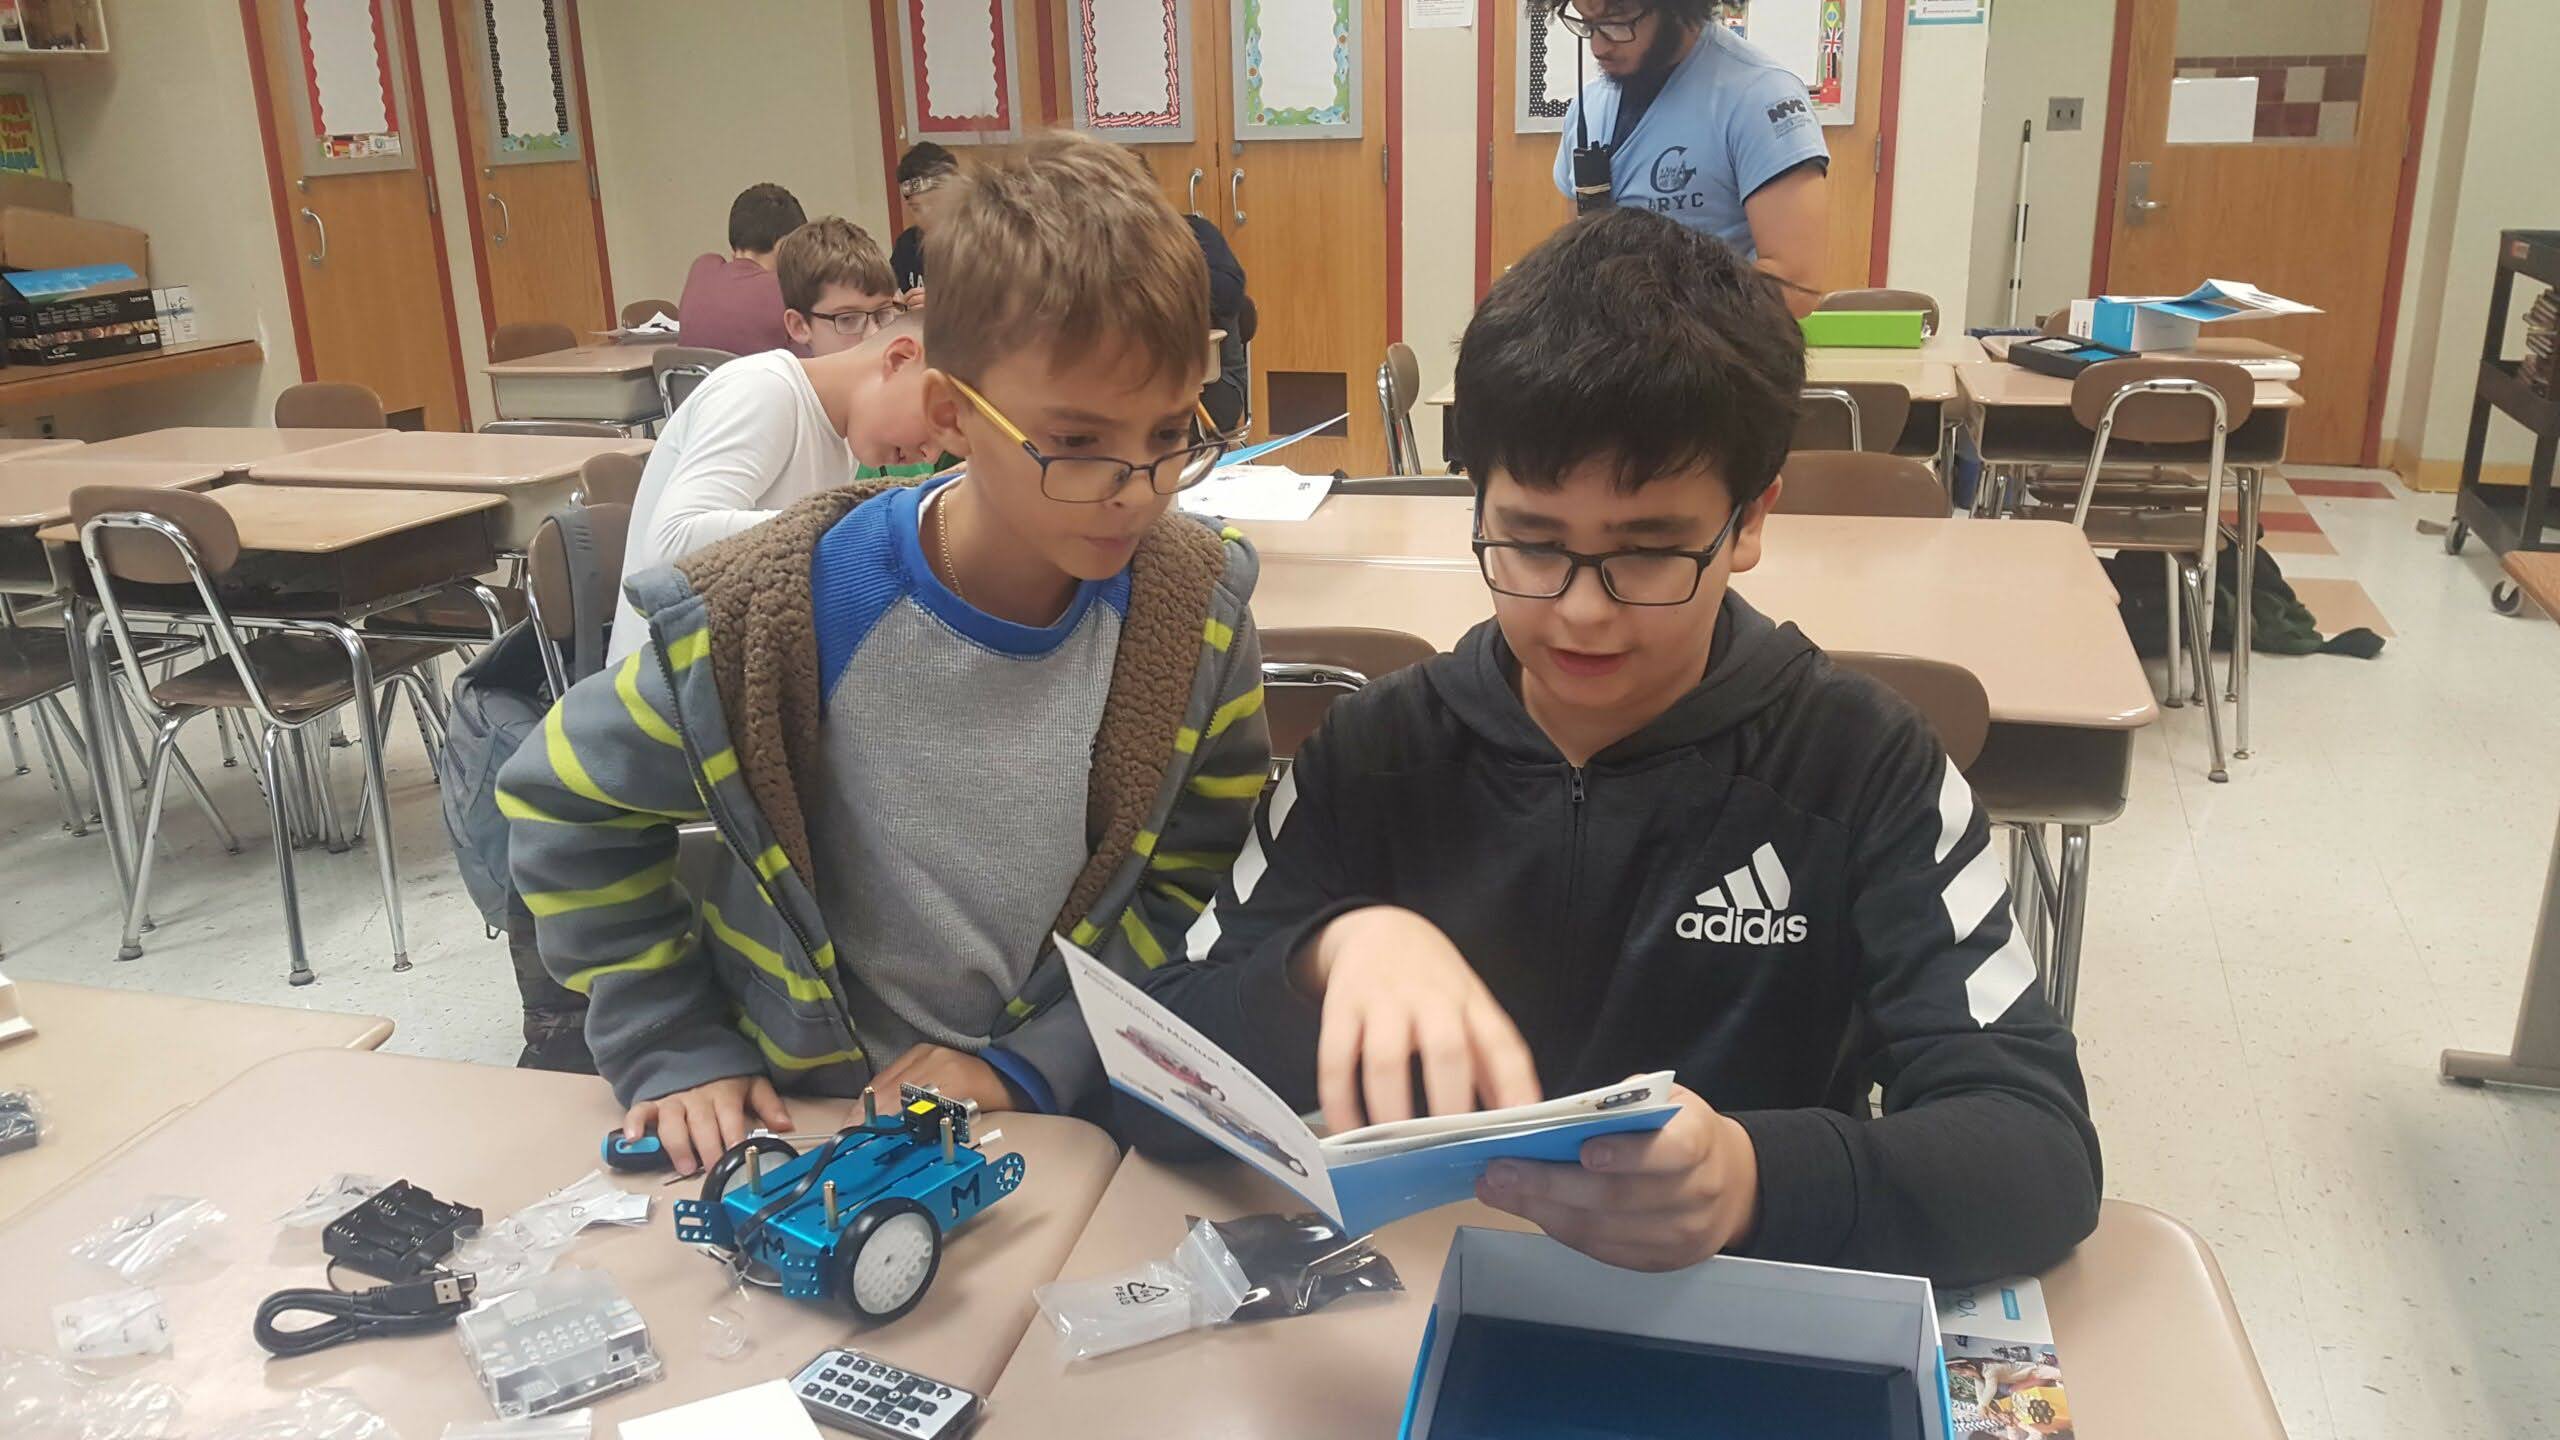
<point>2176,322</point>
<point>1786,1311</point>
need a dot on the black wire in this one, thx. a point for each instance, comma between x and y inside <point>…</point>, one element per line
<point>409,1307</point>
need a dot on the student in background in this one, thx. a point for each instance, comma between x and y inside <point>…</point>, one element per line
<point>767,430</point>
<point>931,722</point>
<point>836,287</point>
<point>1632,825</point>
<point>735,304</point>
<point>1228,391</point>
<point>925,174</point>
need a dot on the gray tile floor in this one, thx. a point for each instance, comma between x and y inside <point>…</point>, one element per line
<point>2271,968</point>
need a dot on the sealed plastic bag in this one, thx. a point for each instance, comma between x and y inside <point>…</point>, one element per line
<point>568,1425</point>
<point>42,1398</point>
<point>1298,1263</point>
<point>502,1257</point>
<point>594,1199</point>
<point>1201,1285</point>
<point>104,1327</point>
<point>310,1415</point>
<point>22,1121</point>
<point>329,1200</point>
<point>142,1240</point>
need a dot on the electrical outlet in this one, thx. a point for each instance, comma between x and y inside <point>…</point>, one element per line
<point>2062,113</point>
<point>44,426</point>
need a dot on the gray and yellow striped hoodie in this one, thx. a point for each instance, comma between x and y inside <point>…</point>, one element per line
<point>717,719</point>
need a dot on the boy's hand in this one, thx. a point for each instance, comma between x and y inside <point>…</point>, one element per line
<point>1394,992</point>
<point>958,1074</point>
<point>914,299</point>
<point>696,1125</point>
<point>1655,1201</point>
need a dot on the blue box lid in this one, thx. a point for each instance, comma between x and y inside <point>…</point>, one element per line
<point>51,284</point>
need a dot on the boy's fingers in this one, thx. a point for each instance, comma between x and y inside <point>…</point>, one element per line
<point>1676,1149</point>
<point>635,1124</point>
<point>724,1115</point>
<point>1504,1070</point>
<point>677,1137</point>
<point>1337,1069</point>
<point>1386,1068</point>
<point>1522,1186</point>
<point>768,1105</point>
<point>1449,1080</point>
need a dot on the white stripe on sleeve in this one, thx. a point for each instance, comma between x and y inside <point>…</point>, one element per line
<point>1970,896</point>
<point>1996,984</point>
<point>1955,808</point>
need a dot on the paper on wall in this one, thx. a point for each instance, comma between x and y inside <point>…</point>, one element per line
<point>1790,32</point>
<point>1131,50</point>
<point>958,55</point>
<point>347,67</point>
<point>1439,14</point>
<point>2213,111</point>
<point>528,76</point>
<point>1298,52</point>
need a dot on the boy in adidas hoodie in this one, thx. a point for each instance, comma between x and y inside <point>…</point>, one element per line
<point>1632,825</point>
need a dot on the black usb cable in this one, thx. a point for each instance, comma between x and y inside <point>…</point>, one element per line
<point>407,1307</point>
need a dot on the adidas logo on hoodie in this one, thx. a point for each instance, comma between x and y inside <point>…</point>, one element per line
<point>1747,907</point>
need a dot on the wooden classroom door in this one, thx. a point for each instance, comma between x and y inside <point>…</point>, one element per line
<point>354,178</point>
<point>538,232</point>
<point>1530,65</point>
<point>2264,143</point>
<point>1302,196</point>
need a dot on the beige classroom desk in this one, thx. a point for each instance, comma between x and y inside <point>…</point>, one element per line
<point>18,448</point>
<point>498,1138</point>
<point>233,447</point>
<point>36,492</point>
<point>2236,348</point>
<point>110,1064</point>
<point>2147,1332</point>
<point>2021,417</point>
<point>534,474</point>
<point>611,383</point>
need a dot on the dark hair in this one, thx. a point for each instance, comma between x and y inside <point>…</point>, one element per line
<point>924,160</point>
<point>761,216</point>
<point>1630,338</point>
<point>829,250</point>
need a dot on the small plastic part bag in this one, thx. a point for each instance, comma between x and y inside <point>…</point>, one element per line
<point>593,1199</point>
<point>567,1425</point>
<point>1298,1263</point>
<point>42,1398</point>
<point>309,1415</point>
<point>106,1327</point>
<point>139,1242</point>
<point>329,1200</point>
<point>22,1122</point>
<point>1201,1285</point>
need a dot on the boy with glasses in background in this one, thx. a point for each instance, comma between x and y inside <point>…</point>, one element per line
<point>836,286</point>
<point>931,723</point>
<point>1633,825</point>
<point>925,176</point>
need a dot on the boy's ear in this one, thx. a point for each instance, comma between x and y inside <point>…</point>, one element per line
<point>796,325</point>
<point>943,406</point>
<point>901,351</point>
<point>1755,518</point>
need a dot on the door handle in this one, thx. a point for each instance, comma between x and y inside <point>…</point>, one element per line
<point>506,218</point>
<point>1191,197</point>
<point>2138,204</point>
<point>1235,194</point>
<point>321,255</point>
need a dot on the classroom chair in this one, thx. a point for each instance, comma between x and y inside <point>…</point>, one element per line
<point>328,405</point>
<point>2152,411</point>
<point>293,677</point>
<point>1949,697</point>
<point>35,673</point>
<point>1399,386</point>
<point>1926,304</point>
<point>574,580</point>
<point>1852,415</point>
<point>612,478</point>
<point>1857,482</point>
<point>641,311</point>
<point>1305,670</point>
<point>678,368</point>
<point>517,339</point>
<point>589,429</point>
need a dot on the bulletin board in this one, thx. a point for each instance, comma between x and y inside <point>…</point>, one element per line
<point>963,82</point>
<point>26,129</point>
<point>1818,40</point>
<point>1133,80</point>
<point>527,80</point>
<point>1298,69</point>
<point>357,118</point>
<point>1542,75</point>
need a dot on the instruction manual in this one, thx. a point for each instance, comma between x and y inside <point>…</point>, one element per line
<point>2004,1378</point>
<point>1361,1179</point>
<point>1257,492</point>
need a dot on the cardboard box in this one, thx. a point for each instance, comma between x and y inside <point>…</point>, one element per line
<point>1866,329</point>
<point>2175,322</point>
<point>1527,1338</point>
<point>177,309</point>
<point>34,192</point>
<point>53,317</point>
<point>42,240</point>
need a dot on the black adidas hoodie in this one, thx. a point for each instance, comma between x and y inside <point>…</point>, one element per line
<point>1779,890</point>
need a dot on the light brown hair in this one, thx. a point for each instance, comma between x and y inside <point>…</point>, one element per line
<point>830,250</point>
<point>1066,242</point>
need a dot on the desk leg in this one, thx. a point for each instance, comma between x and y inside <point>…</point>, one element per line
<point>377,791</point>
<point>2252,487</point>
<point>91,689</point>
<point>2534,1058</point>
<point>2070,917</point>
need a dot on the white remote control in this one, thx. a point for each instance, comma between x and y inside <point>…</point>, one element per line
<point>864,1395</point>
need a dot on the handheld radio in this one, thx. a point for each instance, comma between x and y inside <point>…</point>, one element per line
<point>1592,187</point>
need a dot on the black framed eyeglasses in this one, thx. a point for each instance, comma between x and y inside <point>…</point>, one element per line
<point>1539,571</point>
<point>855,324</point>
<point>1092,479</point>
<point>1616,32</point>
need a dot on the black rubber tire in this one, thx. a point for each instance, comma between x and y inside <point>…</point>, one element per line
<point>2506,597</point>
<point>2454,535</point>
<point>848,1254</point>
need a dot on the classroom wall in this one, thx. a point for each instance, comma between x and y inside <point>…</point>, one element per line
<point>1440,168</point>
<point>454,171</point>
<point>2040,50</point>
<point>163,134</point>
<point>2487,168</point>
<point>1937,163</point>
<point>694,102</point>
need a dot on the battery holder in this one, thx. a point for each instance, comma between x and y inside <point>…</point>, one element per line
<point>399,1234</point>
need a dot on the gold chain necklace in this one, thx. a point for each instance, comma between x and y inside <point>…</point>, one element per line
<point>942,533</point>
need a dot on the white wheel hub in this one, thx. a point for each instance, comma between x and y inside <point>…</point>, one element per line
<point>893,1263</point>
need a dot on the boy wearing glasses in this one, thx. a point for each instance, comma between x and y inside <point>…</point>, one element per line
<point>836,286</point>
<point>1633,825</point>
<point>931,724</point>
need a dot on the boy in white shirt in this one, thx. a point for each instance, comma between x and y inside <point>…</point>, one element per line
<point>765,431</point>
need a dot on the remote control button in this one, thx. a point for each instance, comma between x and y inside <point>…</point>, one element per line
<point>831,1377</point>
<point>812,1388</point>
<point>941,1392</point>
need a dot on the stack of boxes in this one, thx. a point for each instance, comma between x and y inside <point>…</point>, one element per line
<point>71,289</point>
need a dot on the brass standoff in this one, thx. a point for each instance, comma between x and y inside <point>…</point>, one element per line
<point>946,1137</point>
<point>828,1193</point>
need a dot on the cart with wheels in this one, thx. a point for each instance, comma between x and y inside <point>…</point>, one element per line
<point>2509,517</point>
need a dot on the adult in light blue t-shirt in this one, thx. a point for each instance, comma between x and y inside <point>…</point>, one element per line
<point>1701,127</point>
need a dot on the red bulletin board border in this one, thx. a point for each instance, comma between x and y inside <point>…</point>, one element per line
<point>932,124</point>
